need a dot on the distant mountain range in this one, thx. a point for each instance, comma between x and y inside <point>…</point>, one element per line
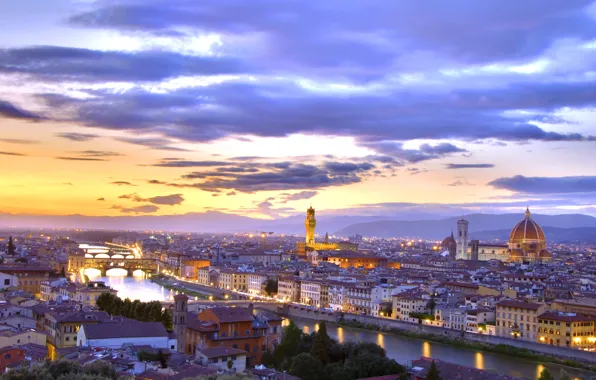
<point>569,227</point>
<point>488,226</point>
<point>560,235</point>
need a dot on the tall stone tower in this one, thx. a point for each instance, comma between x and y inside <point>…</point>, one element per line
<point>310,223</point>
<point>462,240</point>
<point>180,311</point>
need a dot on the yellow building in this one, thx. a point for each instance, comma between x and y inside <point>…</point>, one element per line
<point>22,336</point>
<point>62,328</point>
<point>580,305</point>
<point>231,279</point>
<point>518,319</point>
<point>30,276</point>
<point>87,294</point>
<point>567,330</point>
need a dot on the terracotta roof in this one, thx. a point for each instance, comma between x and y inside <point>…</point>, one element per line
<point>519,304</point>
<point>231,314</point>
<point>126,329</point>
<point>564,317</point>
<point>219,351</point>
<point>527,229</point>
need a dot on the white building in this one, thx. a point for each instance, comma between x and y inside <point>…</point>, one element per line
<point>337,297</point>
<point>310,292</point>
<point>378,295</point>
<point>126,332</point>
<point>7,280</point>
<point>359,299</point>
<point>218,358</point>
<point>255,283</point>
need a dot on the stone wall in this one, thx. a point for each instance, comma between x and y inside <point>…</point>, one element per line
<point>308,313</point>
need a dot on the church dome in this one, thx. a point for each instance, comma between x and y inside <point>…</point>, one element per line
<point>527,230</point>
<point>448,242</point>
<point>544,254</point>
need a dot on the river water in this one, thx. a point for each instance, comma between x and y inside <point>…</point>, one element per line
<point>402,349</point>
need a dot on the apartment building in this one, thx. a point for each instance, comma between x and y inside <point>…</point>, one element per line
<point>567,330</point>
<point>255,283</point>
<point>288,289</point>
<point>518,319</point>
<point>359,299</point>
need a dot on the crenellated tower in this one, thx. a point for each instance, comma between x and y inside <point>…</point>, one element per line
<point>310,223</point>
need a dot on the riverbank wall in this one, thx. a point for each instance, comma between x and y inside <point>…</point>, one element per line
<point>385,324</point>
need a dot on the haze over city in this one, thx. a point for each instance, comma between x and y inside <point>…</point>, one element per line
<point>261,108</point>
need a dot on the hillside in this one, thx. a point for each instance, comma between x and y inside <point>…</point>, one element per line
<point>438,229</point>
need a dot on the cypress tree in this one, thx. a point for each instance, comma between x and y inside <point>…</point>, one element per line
<point>11,247</point>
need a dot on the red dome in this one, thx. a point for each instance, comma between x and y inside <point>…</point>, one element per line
<point>526,230</point>
<point>448,242</point>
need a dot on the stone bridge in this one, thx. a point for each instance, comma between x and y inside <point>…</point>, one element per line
<point>75,264</point>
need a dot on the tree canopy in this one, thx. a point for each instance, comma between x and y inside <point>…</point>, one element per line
<point>63,369</point>
<point>141,311</point>
<point>317,356</point>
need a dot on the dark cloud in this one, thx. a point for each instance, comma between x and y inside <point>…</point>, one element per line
<point>68,183</point>
<point>365,35</point>
<point>230,193</point>
<point>169,200</point>
<point>122,183</point>
<point>11,154</point>
<point>10,111</point>
<point>145,209</point>
<point>298,196</point>
<point>19,141</point>
<point>378,122</point>
<point>546,185</point>
<point>460,183</point>
<point>174,163</point>
<point>275,176</point>
<point>97,153</point>
<point>156,182</point>
<point>155,144</point>
<point>64,158</point>
<point>101,199</point>
<point>77,136</point>
<point>84,65</point>
<point>469,166</point>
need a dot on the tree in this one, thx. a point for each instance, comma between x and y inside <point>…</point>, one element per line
<point>230,364</point>
<point>11,247</point>
<point>433,372</point>
<point>162,358</point>
<point>563,375</point>
<point>22,260</point>
<point>545,375</point>
<point>271,287</point>
<point>321,344</point>
<point>305,366</point>
<point>431,304</point>
<point>166,320</point>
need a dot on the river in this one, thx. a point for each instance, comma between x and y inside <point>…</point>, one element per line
<point>402,349</point>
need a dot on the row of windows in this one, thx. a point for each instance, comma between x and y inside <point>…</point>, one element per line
<point>577,324</point>
<point>224,359</point>
<point>517,309</point>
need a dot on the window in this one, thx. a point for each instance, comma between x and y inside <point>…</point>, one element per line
<point>247,347</point>
<point>235,346</point>
<point>7,356</point>
<point>264,348</point>
<point>233,357</point>
<point>255,348</point>
<point>7,281</point>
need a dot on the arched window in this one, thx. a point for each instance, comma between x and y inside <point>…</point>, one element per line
<point>7,356</point>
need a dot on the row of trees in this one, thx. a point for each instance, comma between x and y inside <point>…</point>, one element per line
<point>65,370</point>
<point>317,356</point>
<point>141,311</point>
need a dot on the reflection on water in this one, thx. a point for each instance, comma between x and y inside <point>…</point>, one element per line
<point>340,334</point>
<point>404,350</point>
<point>137,287</point>
<point>479,360</point>
<point>426,350</point>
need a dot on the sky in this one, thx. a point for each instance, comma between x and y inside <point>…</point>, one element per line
<point>264,107</point>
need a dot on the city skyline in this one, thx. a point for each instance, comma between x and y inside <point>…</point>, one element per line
<point>164,108</point>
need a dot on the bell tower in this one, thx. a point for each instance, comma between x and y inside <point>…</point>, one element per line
<point>462,240</point>
<point>310,223</point>
<point>180,311</point>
